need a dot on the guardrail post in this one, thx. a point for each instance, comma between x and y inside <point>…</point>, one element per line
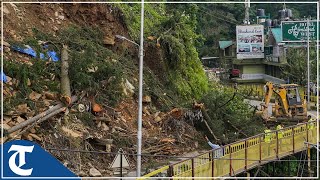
<point>292,139</point>
<point>192,167</point>
<point>260,149</point>
<point>246,155</point>
<point>310,172</point>
<point>277,151</point>
<point>212,163</point>
<point>170,172</point>
<point>230,161</point>
<point>307,130</point>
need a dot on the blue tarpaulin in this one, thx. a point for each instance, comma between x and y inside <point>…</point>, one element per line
<point>53,56</point>
<point>50,54</point>
<point>3,77</point>
<point>28,51</point>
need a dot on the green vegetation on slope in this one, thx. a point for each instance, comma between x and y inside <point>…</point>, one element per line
<point>174,27</point>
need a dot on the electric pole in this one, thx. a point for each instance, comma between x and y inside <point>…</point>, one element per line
<point>246,14</point>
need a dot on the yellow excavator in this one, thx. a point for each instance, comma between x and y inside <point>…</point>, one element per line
<point>289,107</point>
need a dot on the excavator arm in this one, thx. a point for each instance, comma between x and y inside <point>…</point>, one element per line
<point>268,89</point>
<point>282,95</point>
<point>268,94</point>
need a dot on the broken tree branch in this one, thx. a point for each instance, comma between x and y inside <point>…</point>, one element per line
<point>56,108</point>
<point>239,130</point>
<point>206,116</point>
<point>40,121</point>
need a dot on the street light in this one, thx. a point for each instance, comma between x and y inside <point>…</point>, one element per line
<point>139,133</point>
<point>124,38</point>
<point>308,63</point>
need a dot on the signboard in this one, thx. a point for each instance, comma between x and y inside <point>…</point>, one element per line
<point>250,42</point>
<point>120,164</point>
<point>296,31</point>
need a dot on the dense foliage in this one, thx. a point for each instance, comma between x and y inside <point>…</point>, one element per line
<point>227,108</point>
<point>93,65</point>
<point>296,70</point>
<point>217,22</point>
<point>174,27</point>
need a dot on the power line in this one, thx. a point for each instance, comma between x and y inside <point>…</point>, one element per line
<point>184,157</point>
<point>223,19</point>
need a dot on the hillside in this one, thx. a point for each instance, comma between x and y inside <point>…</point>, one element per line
<point>104,68</point>
<point>104,75</point>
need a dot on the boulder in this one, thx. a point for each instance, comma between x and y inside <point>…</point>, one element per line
<point>108,40</point>
<point>94,172</point>
<point>146,99</point>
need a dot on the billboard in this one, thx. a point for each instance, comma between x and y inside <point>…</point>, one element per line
<point>250,42</point>
<point>296,31</point>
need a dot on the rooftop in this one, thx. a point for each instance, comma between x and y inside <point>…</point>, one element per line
<point>277,34</point>
<point>225,44</point>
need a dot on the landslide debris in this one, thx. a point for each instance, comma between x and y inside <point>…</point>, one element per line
<point>103,74</point>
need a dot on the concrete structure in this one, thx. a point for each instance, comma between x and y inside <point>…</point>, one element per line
<point>257,70</point>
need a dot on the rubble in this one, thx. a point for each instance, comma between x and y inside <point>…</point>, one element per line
<point>146,99</point>
<point>6,44</point>
<point>34,96</point>
<point>70,132</point>
<point>128,88</point>
<point>108,40</point>
<point>106,130</point>
<point>5,10</point>
<point>94,172</point>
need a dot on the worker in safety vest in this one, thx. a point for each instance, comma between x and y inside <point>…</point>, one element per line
<point>280,131</point>
<point>267,135</point>
<point>310,123</point>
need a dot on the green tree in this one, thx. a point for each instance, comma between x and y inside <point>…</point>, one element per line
<point>296,70</point>
<point>226,109</point>
<point>174,26</point>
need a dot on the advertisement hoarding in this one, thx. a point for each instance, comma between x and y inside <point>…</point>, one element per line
<point>250,42</point>
<point>296,31</point>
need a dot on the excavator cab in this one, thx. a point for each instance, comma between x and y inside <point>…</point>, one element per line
<point>293,96</point>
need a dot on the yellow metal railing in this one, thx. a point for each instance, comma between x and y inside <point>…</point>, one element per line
<point>237,157</point>
<point>251,89</point>
<point>256,90</point>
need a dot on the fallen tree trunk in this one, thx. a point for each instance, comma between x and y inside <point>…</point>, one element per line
<point>39,121</point>
<point>206,116</point>
<point>57,108</point>
<point>65,81</point>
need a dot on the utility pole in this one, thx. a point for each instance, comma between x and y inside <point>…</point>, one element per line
<point>246,14</point>
<point>139,133</point>
<point>308,65</point>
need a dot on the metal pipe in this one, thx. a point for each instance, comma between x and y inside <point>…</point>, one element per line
<point>140,93</point>
<point>308,64</point>
<point>317,30</point>
<point>121,165</point>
